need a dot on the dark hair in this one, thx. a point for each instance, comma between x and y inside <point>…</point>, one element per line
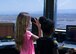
<point>33,19</point>
<point>47,25</point>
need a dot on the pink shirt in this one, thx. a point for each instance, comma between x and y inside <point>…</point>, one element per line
<point>28,46</point>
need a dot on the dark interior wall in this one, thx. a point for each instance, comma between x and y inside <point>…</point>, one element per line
<point>7,29</point>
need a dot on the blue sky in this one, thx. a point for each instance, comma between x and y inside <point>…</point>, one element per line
<point>32,6</point>
<point>66,4</point>
<point>16,6</point>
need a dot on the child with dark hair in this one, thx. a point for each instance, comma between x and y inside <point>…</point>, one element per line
<point>47,44</point>
<point>47,26</point>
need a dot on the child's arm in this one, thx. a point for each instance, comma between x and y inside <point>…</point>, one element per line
<point>34,37</point>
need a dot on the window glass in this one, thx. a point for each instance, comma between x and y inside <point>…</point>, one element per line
<point>11,8</point>
<point>66,13</point>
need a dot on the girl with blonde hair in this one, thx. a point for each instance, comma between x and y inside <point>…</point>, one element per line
<point>24,38</point>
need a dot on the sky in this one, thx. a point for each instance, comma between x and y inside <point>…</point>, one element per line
<point>32,6</point>
<point>16,6</point>
<point>66,4</point>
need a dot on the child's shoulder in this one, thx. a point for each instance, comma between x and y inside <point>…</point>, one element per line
<point>28,32</point>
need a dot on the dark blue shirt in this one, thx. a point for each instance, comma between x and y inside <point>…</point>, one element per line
<point>46,44</point>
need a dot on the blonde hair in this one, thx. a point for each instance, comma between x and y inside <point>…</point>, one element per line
<point>20,28</point>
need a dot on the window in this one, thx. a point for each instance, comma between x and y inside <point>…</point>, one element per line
<point>66,13</point>
<point>11,8</point>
